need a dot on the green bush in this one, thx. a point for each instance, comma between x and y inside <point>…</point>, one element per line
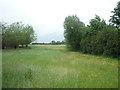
<point>73,32</point>
<point>105,42</point>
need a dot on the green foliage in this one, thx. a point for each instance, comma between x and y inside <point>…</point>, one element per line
<point>106,42</point>
<point>110,37</point>
<point>15,34</point>
<point>89,41</point>
<point>100,39</point>
<point>27,35</point>
<point>115,19</point>
<point>53,42</point>
<point>57,42</point>
<point>97,38</point>
<point>73,32</point>
<point>97,24</point>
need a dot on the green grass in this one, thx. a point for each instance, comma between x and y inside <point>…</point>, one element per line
<point>0,69</point>
<point>56,67</point>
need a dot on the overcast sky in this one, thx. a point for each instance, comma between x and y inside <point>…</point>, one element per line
<point>47,16</point>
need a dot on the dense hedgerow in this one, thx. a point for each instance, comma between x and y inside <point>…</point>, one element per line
<point>105,42</point>
<point>96,38</point>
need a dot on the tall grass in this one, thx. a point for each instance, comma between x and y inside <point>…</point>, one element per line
<point>0,69</point>
<point>56,67</point>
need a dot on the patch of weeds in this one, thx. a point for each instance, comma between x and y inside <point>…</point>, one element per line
<point>28,74</point>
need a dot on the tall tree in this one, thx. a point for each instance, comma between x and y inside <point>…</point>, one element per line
<point>97,24</point>
<point>11,36</point>
<point>3,27</point>
<point>115,20</point>
<point>73,31</point>
<point>88,42</point>
<point>28,35</point>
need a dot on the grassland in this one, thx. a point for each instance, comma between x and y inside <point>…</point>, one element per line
<point>0,69</point>
<point>56,67</point>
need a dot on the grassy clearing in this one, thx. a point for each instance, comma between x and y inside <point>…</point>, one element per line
<point>55,67</point>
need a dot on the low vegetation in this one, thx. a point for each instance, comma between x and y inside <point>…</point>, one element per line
<point>53,66</point>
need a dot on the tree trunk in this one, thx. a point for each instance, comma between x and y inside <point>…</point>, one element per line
<point>3,46</point>
<point>26,45</point>
<point>22,45</point>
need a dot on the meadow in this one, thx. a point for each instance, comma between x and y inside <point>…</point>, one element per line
<point>53,66</point>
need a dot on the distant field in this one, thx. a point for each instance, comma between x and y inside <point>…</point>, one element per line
<point>52,66</point>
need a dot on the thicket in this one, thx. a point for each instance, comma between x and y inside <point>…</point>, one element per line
<point>16,34</point>
<point>102,41</point>
<point>96,38</point>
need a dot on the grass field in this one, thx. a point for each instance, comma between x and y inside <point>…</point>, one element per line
<point>0,69</point>
<point>56,67</point>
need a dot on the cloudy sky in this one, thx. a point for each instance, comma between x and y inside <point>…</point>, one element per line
<point>47,16</point>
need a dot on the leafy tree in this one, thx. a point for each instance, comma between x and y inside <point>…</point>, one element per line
<point>2,32</point>
<point>73,32</point>
<point>103,43</point>
<point>2,28</point>
<point>85,41</point>
<point>28,35</point>
<point>12,35</point>
<point>53,42</point>
<point>97,24</point>
<point>115,19</point>
<point>63,42</point>
<point>107,41</point>
<point>89,41</point>
<point>58,42</point>
<point>17,33</point>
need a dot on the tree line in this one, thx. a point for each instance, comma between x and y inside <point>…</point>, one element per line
<point>53,42</point>
<point>16,34</point>
<point>97,38</point>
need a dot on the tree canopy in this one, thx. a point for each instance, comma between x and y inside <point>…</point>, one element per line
<point>73,31</point>
<point>96,38</point>
<point>16,34</point>
<point>115,18</point>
